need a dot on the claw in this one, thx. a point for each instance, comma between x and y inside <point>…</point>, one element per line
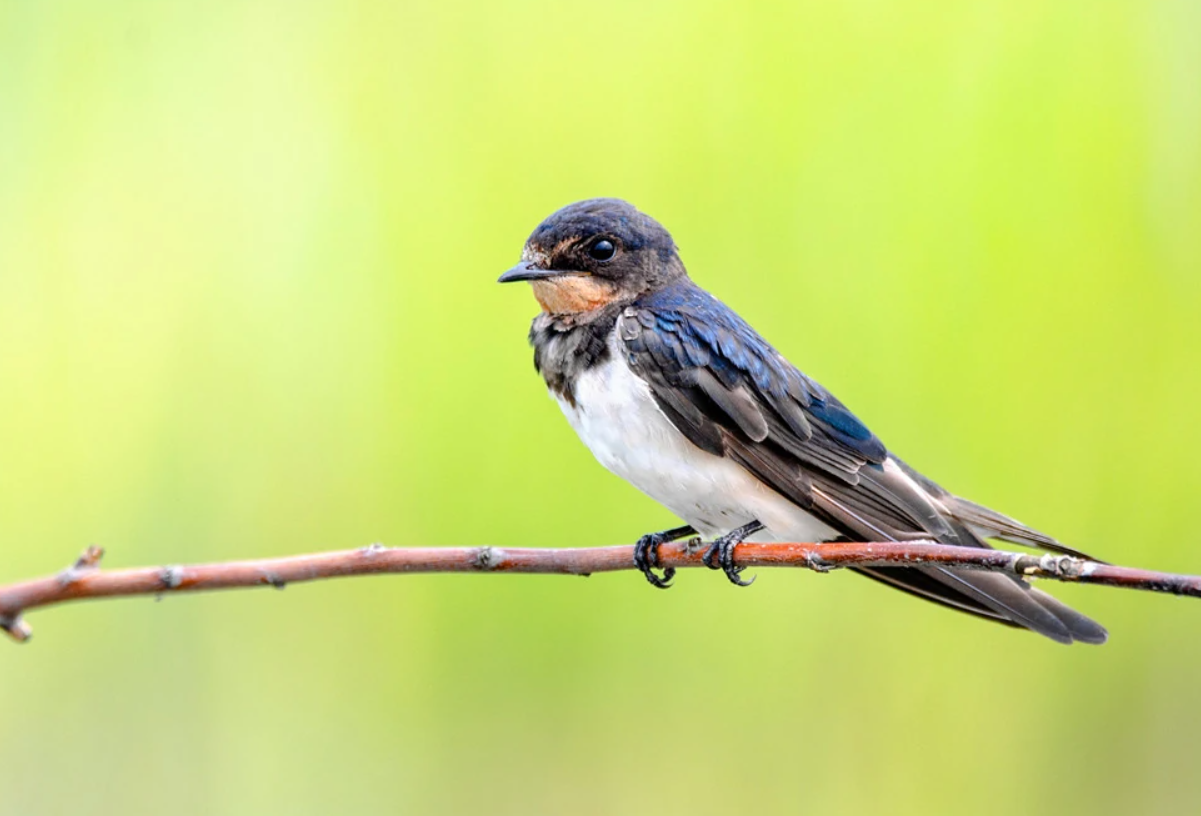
<point>727,564</point>
<point>720,554</point>
<point>646,555</point>
<point>646,558</point>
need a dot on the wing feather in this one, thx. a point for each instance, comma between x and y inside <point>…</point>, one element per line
<point>730,393</point>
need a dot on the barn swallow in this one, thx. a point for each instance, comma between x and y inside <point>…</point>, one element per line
<point>674,392</point>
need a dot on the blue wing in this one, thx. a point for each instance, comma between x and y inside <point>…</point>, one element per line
<point>732,394</point>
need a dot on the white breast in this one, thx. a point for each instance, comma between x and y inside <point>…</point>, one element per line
<point>616,416</point>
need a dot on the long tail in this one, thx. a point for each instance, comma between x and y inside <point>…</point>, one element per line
<point>1003,598</point>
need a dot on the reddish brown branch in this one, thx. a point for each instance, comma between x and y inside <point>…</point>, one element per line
<point>84,579</point>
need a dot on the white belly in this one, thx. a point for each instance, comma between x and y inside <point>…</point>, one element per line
<point>617,418</point>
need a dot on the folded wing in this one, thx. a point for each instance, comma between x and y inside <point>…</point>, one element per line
<point>730,393</point>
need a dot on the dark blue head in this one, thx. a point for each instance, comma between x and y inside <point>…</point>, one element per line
<point>596,252</point>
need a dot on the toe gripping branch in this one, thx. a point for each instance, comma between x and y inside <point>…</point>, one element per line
<point>720,554</point>
<point>646,554</point>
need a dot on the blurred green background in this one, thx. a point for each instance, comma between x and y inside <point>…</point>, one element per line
<point>247,307</point>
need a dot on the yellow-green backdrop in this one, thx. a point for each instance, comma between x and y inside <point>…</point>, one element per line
<point>247,307</point>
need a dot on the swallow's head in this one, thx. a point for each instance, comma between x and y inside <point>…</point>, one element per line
<point>593,253</point>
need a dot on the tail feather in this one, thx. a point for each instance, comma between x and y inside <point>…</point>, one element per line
<point>1025,605</point>
<point>1001,598</point>
<point>987,523</point>
<point>995,596</point>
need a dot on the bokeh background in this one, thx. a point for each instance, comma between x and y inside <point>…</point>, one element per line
<point>247,254</point>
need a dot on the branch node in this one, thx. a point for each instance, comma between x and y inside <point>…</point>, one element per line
<point>16,627</point>
<point>88,561</point>
<point>1049,565</point>
<point>274,579</point>
<point>1064,567</point>
<point>1023,564</point>
<point>373,549</point>
<point>816,563</point>
<point>172,577</point>
<point>487,558</point>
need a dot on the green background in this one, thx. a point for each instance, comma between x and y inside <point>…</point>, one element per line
<point>247,307</point>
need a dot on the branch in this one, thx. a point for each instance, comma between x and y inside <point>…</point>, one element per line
<point>84,579</point>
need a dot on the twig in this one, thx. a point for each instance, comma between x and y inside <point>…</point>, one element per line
<point>84,579</point>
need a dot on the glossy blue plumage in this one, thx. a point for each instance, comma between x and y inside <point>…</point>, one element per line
<point>686,328</point>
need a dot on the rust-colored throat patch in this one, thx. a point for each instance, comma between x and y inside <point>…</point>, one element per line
<point>572,294</point>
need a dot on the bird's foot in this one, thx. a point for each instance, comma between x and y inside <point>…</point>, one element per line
<point>646,554</point>
<point>720,554</point>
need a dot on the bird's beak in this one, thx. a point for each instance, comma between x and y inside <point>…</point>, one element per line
<point>526,271</point>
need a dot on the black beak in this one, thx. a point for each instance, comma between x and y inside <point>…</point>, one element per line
<point>525,271</point>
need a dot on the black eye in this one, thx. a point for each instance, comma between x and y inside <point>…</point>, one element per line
<point>602,250</point>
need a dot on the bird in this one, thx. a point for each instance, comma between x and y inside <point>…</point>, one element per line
<point>674,392</point>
